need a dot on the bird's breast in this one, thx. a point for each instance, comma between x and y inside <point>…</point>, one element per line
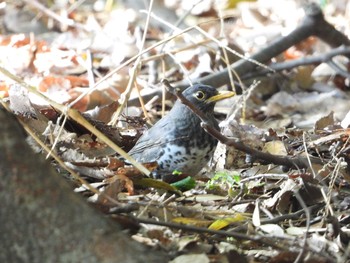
<point>188,160</point>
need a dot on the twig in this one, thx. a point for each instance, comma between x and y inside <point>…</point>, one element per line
<point>295,215</point>
<point>311,60</point>
<point>308,218</point>
<point>63,20</point>
<point>133,73</point>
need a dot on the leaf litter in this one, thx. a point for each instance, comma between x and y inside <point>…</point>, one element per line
<point>240,208</point>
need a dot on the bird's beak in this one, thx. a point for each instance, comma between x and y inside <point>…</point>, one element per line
<point>222,95</point>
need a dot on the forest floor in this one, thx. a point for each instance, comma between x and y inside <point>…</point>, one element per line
<point>71,72</point>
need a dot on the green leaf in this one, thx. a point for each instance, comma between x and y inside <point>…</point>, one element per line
<point>185,184</point>
<point>224,178</point>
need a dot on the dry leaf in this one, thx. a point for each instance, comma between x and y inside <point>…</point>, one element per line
<point>224,222</point>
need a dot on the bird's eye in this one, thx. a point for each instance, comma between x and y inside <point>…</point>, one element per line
<point>200,95</point>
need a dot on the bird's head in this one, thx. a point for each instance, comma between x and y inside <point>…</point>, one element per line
<point>204,97</point>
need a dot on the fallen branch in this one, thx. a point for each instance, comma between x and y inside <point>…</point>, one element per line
<point>310,60</point>
<point>314,24</point>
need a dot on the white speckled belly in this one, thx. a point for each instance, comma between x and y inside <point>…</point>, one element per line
<point>176,158</point>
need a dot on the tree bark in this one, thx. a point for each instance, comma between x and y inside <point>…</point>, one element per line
<point>43,220</point>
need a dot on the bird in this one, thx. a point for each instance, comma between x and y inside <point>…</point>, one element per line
<point>177,142</point>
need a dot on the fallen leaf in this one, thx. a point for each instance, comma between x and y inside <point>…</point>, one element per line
<point>192,221</point>
<point>149,182</point>
<point>224,222</point>
<point>275,147</point>
<point>272,229</point>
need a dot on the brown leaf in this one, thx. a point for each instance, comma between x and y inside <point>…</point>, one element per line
<point>134,172</point>
<point>114,163</point>
<point>116,185</point>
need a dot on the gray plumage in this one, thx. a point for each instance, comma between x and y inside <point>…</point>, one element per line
<point>177,141</point>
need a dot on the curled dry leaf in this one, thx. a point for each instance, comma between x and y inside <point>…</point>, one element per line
<point>115,185</point>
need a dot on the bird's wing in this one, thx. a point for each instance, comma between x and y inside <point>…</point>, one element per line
<point>149,146</point>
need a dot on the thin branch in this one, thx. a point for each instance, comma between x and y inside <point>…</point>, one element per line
<point>310,60</point>
<point>63,20</point>
<point>308,218</point>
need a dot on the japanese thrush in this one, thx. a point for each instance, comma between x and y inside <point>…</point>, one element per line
<point>177,141</point>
